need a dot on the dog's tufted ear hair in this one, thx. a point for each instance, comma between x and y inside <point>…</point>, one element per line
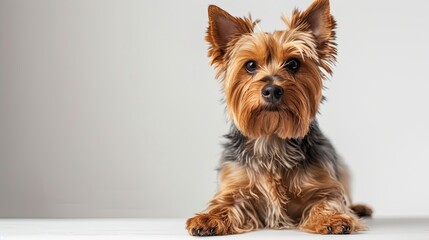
<point>318,20</point>
<point>222,29</point>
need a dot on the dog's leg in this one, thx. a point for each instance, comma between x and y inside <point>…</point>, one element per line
<point>232,210</point>
<point>326,209</point>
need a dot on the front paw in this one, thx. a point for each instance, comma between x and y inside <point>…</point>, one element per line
<point>206,225</point>
<point>340,223</point>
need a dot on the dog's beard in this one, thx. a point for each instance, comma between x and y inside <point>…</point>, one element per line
<point>269,121</point>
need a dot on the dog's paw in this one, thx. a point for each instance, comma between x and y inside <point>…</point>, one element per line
<point>337,224</point>
<point>206,225</point>
<point>340,223</point>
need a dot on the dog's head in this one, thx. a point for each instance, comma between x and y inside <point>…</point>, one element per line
<point>273,81</point>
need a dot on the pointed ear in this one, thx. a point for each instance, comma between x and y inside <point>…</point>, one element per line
<point>222,29</point>
<point>319,20</point>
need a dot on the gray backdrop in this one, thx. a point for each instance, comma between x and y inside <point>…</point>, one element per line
<point>110,109</point>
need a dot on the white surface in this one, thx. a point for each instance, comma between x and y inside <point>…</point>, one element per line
<point>109,108</point>
<point>148,229</point>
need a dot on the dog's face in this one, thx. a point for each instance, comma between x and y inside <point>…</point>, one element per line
<point>273,81</point>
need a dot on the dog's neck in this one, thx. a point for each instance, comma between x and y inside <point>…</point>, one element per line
<point>265,153</point>
<point>274,152</point>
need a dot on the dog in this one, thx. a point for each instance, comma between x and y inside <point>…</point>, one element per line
<point>278,170</point>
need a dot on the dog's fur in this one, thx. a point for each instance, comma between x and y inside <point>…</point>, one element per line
<point>278,170</point>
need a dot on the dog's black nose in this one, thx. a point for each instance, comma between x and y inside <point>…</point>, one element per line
<point>272,93</point>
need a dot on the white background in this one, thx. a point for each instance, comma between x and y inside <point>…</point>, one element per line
<point>110,108</point>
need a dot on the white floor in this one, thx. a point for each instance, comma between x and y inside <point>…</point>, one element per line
<point>106,229</point>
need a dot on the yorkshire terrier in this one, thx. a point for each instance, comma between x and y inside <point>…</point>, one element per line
<point>278,170</point>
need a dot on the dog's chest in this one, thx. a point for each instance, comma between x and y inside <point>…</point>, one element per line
<point>275,154</point>
<point>273,190</point>
<point>274,159</point>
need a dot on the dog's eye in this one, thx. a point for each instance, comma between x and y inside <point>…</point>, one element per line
<point>250,66</point>
<point>292,65</point>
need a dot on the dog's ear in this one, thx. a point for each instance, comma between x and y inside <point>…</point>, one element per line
<point>318,20</point>
<point>222,29</point>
